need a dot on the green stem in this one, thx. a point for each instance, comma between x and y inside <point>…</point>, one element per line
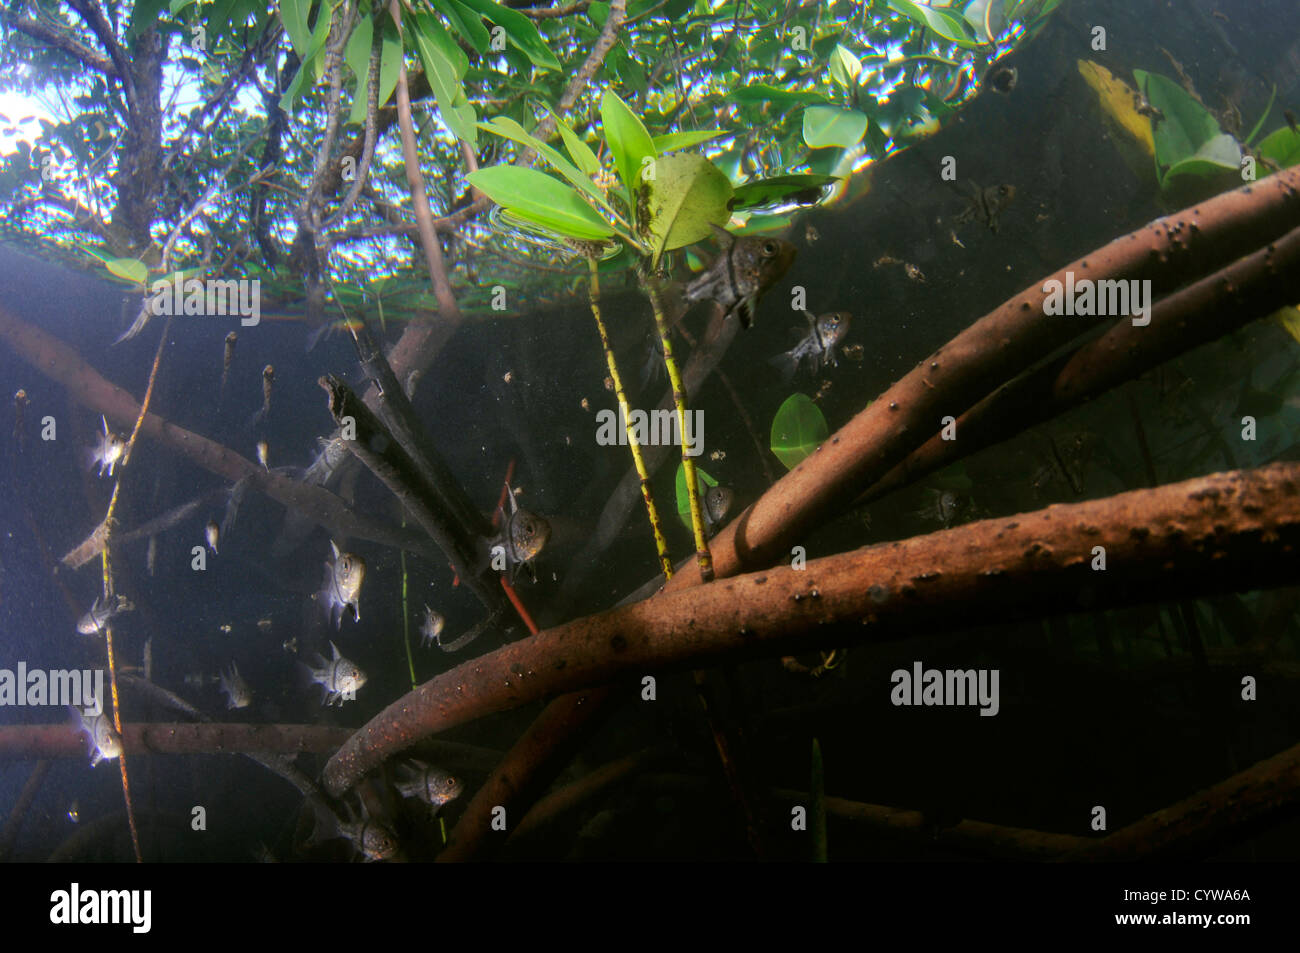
<point>702,555</point>
<point>406,624</point>
<point>661,545</point>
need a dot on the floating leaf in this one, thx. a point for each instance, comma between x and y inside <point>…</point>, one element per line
<point>1118,101</point>
<point>687,196</point>
<point>832,126</point>
<point>797,430</point>
<point>702,482</point>
<point>128,269</point>
<point>539,198</point>
<point>627,139</point>
<point>800,189</point>
<point>943,22</point>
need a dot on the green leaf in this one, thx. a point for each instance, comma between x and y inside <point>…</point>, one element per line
<point>357,55</point>
<point>687,195</point>
<point>453,107</point>
<point>294,14</point>
<point>1219,154</point>
<point>702,483</point>
<point>845,67</point>
<point>628,140</point>
<point>832,126</point>
<point>761,92</point>
<point>803,189</point>
<point>1189,137</point>
<point>128,269</point>
<point>542,199</point>
<point>943,22</point>
<point>312,58</point>
<point>578,150</point>
<point>1282,146</point>
<point>672,141</point>
<point>465,22</point>
<point>507,128</point>
<point>797,430</point>
<point>519,31</point>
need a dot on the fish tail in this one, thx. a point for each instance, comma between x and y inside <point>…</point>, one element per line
<point>787,364</point>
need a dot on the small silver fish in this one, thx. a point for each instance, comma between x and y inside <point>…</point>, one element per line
<point>431,785</point>
<point>107,451</point>
<point>262,451</point>
<point>373,839</point>
<point>431,628</point>
<point>74,812</point>
<point>344,575</point>
<point>744,269</point>
<point>290,645</point>
<point>228,359</point>
<point>817,347</point>
<point>212,532</point>
<point>333,451</point>
<point>522,536</point>
<point>106,743</point>
<point>93,622</point>
<point>339,677</point>
<point>717,504</point>
<point>238,694</point>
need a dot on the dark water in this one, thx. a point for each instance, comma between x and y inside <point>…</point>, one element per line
<point>1100,708</point>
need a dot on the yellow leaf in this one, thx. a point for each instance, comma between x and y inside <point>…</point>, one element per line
<point>1289,318</point>
<point>1119,101</point>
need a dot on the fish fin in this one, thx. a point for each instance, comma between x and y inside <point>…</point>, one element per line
<point>811,319</point>
<point>335,649</point>
<point>744,309</point>
<point>335,547</point>
<point>725,238</point>
<point>787,364</point>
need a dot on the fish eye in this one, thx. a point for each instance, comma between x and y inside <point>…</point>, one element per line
<point>769,248</point>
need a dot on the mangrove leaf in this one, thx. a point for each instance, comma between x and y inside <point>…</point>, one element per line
<point>797,430</point>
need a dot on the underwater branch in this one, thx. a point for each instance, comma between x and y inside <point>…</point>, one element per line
<point>23,742</point>
<point>1236,530</point>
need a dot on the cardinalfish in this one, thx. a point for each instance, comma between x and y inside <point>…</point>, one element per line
<point>229,357</point>
<point>339,677</point>
<point>94,621</point>
<point>817,347</point>
<point>105,742</point>
<point>434,786</point>
<point>107,450</point>
<point>717,504</point>
<point>744,268</point>
<point>985,204</point>
<point>212,532</point>
<point>431,628</point>
<point>522,537</point>
<point>238,694</point>
<point>344,575</point>
<point>268,380</point>
<point>20,404</point>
